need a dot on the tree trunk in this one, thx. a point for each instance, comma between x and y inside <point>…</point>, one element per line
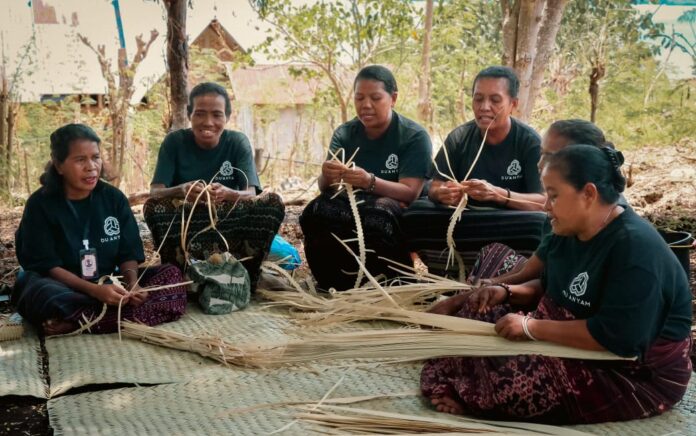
<point>545,47</point>
<point>529,30</point>
<point>177,60</point>
<point>425,105</point>
<point>343,105</point>
<point>596,75</point>
<point>511,13</point>
<point>525,54</point>
<point>12,112</point>
<point>3,112</point>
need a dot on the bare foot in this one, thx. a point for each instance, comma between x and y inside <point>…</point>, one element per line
<point>54,327</point>
<point>447,405</point>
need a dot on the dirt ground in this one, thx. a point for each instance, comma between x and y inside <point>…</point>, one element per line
<point>662,189</point>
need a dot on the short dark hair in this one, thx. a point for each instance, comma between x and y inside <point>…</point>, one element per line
<point>581,164</point>
<point>61,139</point>
<point>500,72</point>
<point>579,131</point>
<point>380,74</point>
<point>209,88</point>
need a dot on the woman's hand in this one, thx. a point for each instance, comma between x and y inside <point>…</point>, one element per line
<point>137,296</point>
<point>510,327</point>
<point>482,299</point>
<point>449,193</point>
<point>192,189</point>
<point>357,177</point>
<point>220,193</point>
<point>481,190</point>
<point>449,306</point>
<point>110,294</point>
<point>332,171</point>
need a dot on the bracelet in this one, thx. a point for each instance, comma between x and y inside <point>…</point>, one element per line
<point>371,187</point>
<point>507,199</point>
<point>507,289</point>
<point>525,327</point>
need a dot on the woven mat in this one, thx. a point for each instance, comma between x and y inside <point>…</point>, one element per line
<point>102,359</point>
<point>20,367</point>
<point>203,397</point>
<point>231,406</point>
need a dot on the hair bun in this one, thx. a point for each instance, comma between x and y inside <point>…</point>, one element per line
<point>615,157</point>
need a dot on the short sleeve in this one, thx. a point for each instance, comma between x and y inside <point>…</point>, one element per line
<point>629,312</point>
<point>34,240</point>
<point>130,245</point>
<point>166,163</point>
<point>441,167</point>
<point>532,179</point>
<point>336,143</point>
<point>245,162</point>
<point>415,161</point>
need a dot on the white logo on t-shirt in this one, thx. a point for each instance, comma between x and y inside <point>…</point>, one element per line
<point>392,162</point>
<point>226,169</point>
<point>515,168</point>
<point>111,226</point>
<point>578,286</point>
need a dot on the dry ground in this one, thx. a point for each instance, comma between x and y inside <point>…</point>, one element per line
<point>663,189</point>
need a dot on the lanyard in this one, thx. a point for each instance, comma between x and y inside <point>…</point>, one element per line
<point>85,233</point>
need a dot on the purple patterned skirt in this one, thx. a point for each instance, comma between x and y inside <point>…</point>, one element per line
<point>42,298</point>
<point>556,390</point>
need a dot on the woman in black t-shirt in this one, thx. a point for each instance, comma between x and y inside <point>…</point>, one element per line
<point>210,157</point>
<point>391,160</point>
<point>610,283</point>
<point>76,229</point>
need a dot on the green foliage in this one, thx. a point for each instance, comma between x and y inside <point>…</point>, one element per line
<point>465,40</point>
<point>35,123</point>
<point>334,36</point>
<point>625,112</point>
<point>638,104</point>
<point>684,41</point>
<point>327,31</point>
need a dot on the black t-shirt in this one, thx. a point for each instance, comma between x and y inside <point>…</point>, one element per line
<point>512,164</point>
<point>50,234</point>
<point>625,281</point>
<point>547,230</point>
<point>181,160</point>
<point>403,151</point>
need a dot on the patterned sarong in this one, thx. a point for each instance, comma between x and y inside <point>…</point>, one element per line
<point>41,298</point>
<point>248,226</point>
<point>555,390</point>
<point>330,262</point>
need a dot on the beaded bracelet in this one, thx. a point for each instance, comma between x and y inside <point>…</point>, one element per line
<point>508,290</point>
<point>371,186</point>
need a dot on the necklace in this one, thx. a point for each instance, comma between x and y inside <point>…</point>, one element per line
<point>604,223</point>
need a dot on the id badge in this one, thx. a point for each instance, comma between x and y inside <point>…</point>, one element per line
<point>88,264</point>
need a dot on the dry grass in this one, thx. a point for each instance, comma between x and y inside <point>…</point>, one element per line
<point>460,337</point>
<point>339,419</point>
